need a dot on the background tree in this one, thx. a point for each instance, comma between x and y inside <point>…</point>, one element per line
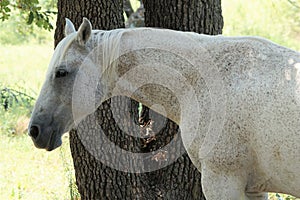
<point>98,181</point>
<point>103,15</point>
<point>203,16</point>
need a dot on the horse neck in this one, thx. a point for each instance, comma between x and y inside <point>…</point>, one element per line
<point>129,79</point>
<point>147,66</point>
<point>124,73</point>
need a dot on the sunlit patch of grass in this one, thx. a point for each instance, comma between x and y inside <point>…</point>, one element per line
<point>24,65</point>
<point>276,196</point>
<point>9,119</point>
<point>30,173</point>
<point>26,172</point>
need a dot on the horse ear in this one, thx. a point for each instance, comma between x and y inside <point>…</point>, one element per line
<point>84,32</point>
<point>69,27</point>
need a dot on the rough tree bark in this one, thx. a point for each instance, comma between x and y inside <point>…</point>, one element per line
<point>201,16</point>
<point>94,179</point>
<point>105,15</point>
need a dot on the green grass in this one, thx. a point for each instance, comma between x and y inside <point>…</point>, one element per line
<point>24,65</point>
<point>30,173</point>
<point>26,172</point>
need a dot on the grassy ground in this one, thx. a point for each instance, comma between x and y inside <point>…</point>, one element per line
<point>26,172</point>
<point>29,173</point>
<point>24,65</point>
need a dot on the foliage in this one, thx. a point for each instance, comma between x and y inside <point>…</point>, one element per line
<point>15,107</point>
<point>4,9</point>
<point>17,94</point>
<point>29,10</point>
<point>26,21</point>
<point>10,97</point>
<point>295,3</point>
<point>14,32</point>
<point>277,20</point>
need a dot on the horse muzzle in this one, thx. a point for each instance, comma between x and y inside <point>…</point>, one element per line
<point>44,138</point>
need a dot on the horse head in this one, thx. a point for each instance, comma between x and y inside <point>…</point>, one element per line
<point>52,114</point>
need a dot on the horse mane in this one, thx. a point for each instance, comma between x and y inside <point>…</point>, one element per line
<point>109,43</point>
<point>106,45</point>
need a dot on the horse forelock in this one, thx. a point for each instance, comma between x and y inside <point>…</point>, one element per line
<point>60,51</point>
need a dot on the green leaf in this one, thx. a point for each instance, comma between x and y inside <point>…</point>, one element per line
<point>7,9</point>
<point>4,3</point>
<point>30,18</point>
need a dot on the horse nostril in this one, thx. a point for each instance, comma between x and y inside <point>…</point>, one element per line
<point>34,132</point>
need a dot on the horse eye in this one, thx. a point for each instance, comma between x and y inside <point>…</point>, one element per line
<point>61,73</point>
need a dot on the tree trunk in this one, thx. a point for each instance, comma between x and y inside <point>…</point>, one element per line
<point>95,179</point>
<point>200,16</point>
<point>105,15</point>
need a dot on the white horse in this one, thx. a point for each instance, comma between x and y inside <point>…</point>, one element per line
<point>236,100</point>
